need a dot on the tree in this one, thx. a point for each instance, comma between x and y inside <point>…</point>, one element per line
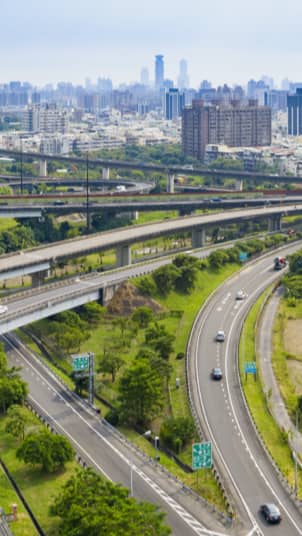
<point>217,259</point>
<point>13,390</point>
<point>111,363</point>
<point>92,313</point>
<point>142,316</point>
<point>160,340</point>
<point>140,393</point>
<point>18,418</point>
<point>176,432</point>
<point>165,277</point>
<point>46,449</point>
<point>89,504</point>
<point>162,366</point>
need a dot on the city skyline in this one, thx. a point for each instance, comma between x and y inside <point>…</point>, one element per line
<point>63,42</point>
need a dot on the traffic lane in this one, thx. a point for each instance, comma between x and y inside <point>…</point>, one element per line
<point>223,418</point>
<point>99,454</point>
<point>257,453</point>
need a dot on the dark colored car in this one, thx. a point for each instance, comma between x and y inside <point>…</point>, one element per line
<point>270,512</point>
<point>216,373</point>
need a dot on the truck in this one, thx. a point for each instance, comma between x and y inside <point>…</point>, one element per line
<point>279,263</point>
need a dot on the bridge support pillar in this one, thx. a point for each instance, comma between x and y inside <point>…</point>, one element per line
<point>198,238</point>
<point>38,278</point>
<point>123,255</point>
<point>134,215</point>
<point>239,185</point>
<point>106,173</point>
<point>274,224</point>
<point>43,168</point>
<point>170,183</point>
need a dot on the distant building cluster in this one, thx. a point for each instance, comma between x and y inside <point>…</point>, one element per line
<point>67,117</point>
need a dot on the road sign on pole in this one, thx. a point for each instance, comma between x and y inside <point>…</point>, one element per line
<point>80,362</point>
<point>201,455</point>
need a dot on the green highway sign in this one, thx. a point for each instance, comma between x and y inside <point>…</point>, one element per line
<point>80,362</point>
<point>201,455</point>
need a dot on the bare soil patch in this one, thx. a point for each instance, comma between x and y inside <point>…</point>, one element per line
<point>127,298</point>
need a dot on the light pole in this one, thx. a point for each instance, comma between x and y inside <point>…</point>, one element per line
<point>145,434</point>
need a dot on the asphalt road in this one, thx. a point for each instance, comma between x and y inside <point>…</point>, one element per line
<point>100,446</point>
<point>126,236</point>
<point>248,473</point>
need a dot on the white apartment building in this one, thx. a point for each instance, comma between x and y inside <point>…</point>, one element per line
<point>45,119</point>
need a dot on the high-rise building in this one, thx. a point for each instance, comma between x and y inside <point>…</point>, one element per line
<point>183,77</point>
<point>159,71</point>
<point>174,103</point>
<point>294,113</point>
<point>145,76</point>
<point>47,119</point>
<point>235,125</point>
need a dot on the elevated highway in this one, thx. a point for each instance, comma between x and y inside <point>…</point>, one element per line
<point>70,203</point>
<point>160,168</point>
<point>40,259</point>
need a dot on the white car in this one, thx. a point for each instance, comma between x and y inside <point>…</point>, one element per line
<point>3,309</point>
<point>241,295</point>
<point>220,336</point>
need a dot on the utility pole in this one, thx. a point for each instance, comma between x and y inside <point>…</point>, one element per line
<point>21,166</point>
<point>295,455</point>
<point>87,196</point>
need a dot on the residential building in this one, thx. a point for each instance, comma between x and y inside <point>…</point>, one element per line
<point>45,119</point>
<point>233,124</point>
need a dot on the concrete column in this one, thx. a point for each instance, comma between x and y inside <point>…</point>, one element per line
<point>274,224</point>
<point>170,183</point>
<point>134,215</point>
<point>106,173</point>
<point>38,278</point>
<point>123,255</point>
<point>239,185</point>
<point>43,168</point>
<point>198,238</point>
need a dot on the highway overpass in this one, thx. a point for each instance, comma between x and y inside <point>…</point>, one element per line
<point>40,259</point>
<point>68,204</point>
<point>170,170</point>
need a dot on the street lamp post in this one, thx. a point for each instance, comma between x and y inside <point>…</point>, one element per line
<point>132,466</point>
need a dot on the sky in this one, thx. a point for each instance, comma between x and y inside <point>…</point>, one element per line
<point>222,40</point>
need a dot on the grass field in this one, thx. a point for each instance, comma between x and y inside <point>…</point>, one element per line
<point>38,488</point>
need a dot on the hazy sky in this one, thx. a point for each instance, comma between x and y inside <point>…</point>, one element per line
<point>222,40</point>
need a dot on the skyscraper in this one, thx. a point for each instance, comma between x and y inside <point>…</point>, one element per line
<point>174,103</point>
<point>159,71</point>
<point>183,78</point>
<point>144,76</point>
<point>294,113</point>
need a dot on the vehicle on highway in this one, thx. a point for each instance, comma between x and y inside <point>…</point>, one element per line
<point>120,188</point>
<point>3,309</point>
<point>220,336</point>
<point>216,373</point>
<point>241,295</point>
<point>270,512</point>
<point>279,263</point>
